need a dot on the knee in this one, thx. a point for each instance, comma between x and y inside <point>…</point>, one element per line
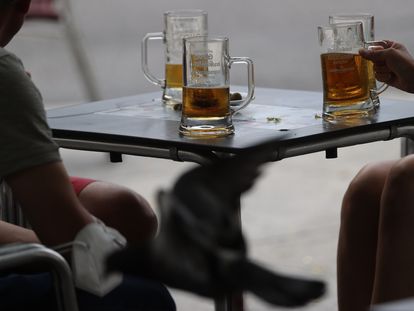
<point>402,174</point>
<point>399,189</point>
<point>121,208</point>
<point>364,192</point>
<point>135,209</point>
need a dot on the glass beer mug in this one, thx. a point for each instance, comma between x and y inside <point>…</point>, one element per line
<point>206,110</point>
<point>367,21</point>
<point>345,74</point>
<point>178,24</point>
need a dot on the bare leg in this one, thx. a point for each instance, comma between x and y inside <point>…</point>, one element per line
<point>120,208</point>
<point>395,264</point>
<point>357,245</point>
<point>116,206</point>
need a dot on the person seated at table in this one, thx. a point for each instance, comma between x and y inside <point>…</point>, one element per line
<point>29,156</point>
<point>59,209</point>
<point>376,239</point>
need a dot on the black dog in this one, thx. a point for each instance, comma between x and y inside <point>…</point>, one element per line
<point>201,248</point>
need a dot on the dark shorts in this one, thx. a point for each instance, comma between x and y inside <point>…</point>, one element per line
<point>35,292</point>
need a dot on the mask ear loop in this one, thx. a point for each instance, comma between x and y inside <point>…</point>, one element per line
<point>67,247</point>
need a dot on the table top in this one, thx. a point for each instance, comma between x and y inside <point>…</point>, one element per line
<point>289,120</point>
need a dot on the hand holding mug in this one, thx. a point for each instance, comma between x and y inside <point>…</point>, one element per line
<point>367,21</point>
<point>393,64</point>
<point>348,90</point>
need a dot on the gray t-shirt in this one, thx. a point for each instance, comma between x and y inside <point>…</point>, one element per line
<point>25,137</point>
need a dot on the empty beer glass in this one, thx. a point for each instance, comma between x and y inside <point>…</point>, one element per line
<point>178,24</point>
<point>367,21</point>
<point>206,110</point>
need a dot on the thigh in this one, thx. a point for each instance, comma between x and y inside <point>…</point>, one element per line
<point>118,207</point>
<point>362,199</point>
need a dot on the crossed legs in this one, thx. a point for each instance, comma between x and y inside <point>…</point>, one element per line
<point>376,239</point>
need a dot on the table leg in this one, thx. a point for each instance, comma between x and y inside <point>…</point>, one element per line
<point>407,146</point>
<point>232,302</point>
<point>115,157</point>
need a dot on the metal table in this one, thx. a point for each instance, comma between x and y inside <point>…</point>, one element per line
<point>287,120</point>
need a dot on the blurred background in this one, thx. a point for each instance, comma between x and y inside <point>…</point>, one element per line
<point>291,217</point>
<point>280,36</point>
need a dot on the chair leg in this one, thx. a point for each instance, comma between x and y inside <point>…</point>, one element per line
<point>407,146</point>
<point>10,209</point>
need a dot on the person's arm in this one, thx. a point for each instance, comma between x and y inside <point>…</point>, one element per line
<point>49,202</point>
<point>30,161</point>
<point>393,65</point>
<point>10,233</point>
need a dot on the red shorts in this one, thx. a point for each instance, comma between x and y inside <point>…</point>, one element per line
<point>80,183</point>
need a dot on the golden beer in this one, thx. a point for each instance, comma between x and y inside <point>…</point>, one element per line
<point>206,102</point>
<point>345,79</point>
<point>174,75</point>
<point>372,83</point>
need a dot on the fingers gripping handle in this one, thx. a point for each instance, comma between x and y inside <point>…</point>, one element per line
<point>377,45</point>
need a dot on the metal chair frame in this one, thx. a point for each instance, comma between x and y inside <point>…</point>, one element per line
<point>35,256</point>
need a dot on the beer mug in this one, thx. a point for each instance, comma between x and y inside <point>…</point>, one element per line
<point>206,110</point>
<point>367,21</point>
<point>178,24</point>
<point>346,83</point>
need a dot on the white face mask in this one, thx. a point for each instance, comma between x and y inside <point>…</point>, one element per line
<point>91,246</point>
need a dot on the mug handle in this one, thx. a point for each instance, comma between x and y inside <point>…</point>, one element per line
<point>370,45</point>
<point>144,57</point>
<point>250,81</point>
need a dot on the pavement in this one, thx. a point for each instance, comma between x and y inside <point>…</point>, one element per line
<point>291,217</point>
